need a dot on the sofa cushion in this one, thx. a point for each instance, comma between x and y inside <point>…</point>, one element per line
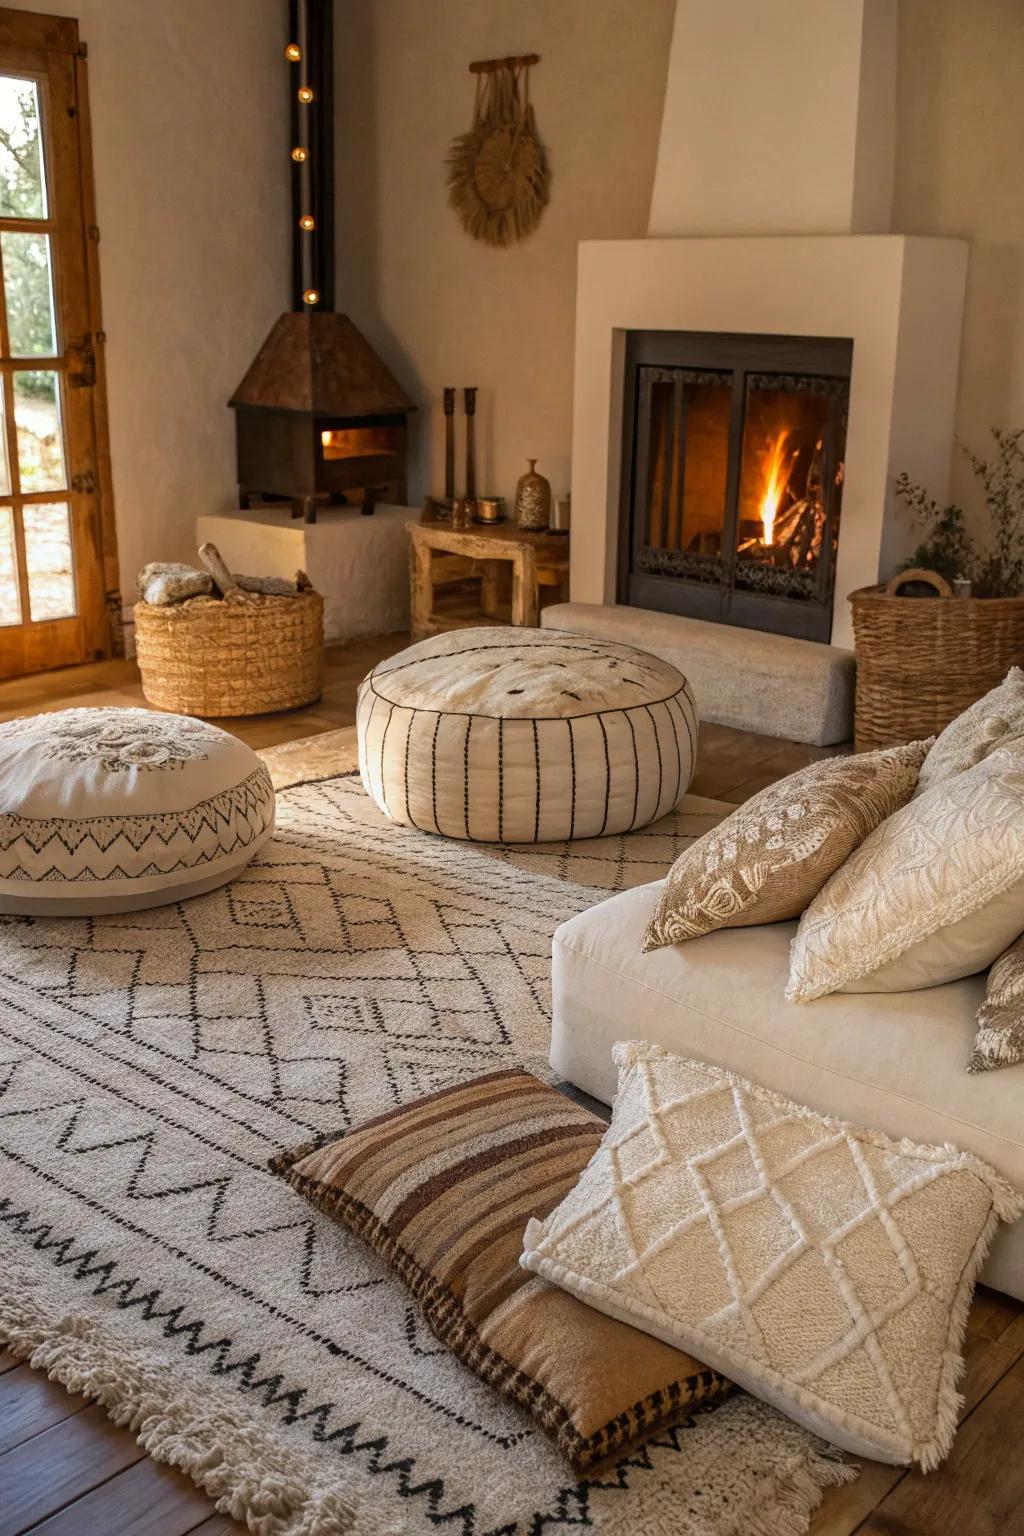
<point>992,722</point>
<point>892,1061</point>
<point>826,1267</point>
<point>772,856</point>
<point>935,893</point>
<point>1000,1038</point>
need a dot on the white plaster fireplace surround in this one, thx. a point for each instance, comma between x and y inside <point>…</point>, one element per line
<point>815,261</point>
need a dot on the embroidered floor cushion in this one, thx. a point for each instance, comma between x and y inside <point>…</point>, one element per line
<point>525,736</point>
<point>441,1189</point>
<point>109,810</point>
<point>826,1268</point>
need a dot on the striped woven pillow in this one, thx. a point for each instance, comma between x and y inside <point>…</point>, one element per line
<point>442,1189</point>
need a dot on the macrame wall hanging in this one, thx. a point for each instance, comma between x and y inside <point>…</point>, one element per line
<point>498,177</point>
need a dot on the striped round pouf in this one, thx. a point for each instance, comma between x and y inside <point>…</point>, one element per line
<point>525,736</point>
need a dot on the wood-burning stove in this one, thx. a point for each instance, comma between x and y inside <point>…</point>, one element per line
<point>733,450</point>
<point>319,416</point>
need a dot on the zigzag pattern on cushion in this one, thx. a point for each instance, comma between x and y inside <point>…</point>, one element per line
<point>99,847</point>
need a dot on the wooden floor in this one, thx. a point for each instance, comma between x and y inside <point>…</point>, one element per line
<point>65,1470</point>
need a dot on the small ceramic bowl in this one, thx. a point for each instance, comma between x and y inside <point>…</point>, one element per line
<point>490,509</point>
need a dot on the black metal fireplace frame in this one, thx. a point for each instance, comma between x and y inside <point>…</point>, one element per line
<point>720,588</point>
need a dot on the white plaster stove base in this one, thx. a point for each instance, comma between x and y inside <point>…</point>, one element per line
<point>359,564</point>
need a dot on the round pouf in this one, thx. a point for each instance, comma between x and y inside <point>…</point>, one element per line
<point>109,810</point>
<point>525,736</point>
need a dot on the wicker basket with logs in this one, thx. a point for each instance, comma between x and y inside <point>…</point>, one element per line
<point>243,653</point>
<point>922,661</point>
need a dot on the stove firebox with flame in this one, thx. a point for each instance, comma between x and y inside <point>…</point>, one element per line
<point>736,478</point>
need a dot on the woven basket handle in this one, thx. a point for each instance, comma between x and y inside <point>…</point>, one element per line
<point>932,578</point>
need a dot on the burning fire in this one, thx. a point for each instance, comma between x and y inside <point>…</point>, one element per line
<point>778,466</point>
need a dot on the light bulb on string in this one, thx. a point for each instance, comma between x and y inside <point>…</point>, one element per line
<point>311,296</point>
<point>307,222</point>
<point>299,154</point>
<point>293,53</point>
<point>305,94</point>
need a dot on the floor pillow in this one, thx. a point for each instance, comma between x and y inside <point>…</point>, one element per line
<point>110,810</point>
<point>826,1268</point>
<point>771,857</point>
<point>514,735</point>
<point>441,1189</point>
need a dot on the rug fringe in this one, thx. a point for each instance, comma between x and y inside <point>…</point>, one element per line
<point>275,1489</point>
<point>786,1506</point>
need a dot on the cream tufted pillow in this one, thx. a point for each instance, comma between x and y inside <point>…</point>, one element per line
<point>935,893</point>
<point>994,721</point>
<point>826,1268</point>
<point>767,860</point>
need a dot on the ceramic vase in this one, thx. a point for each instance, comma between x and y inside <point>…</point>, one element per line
<point>533,500</point>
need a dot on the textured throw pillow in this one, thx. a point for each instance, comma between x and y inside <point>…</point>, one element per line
<point>999,1041</point>
<point>826,1268</point>
<point>994,721</point>
<point>441,1189</point>
<point>767,860</point>
<point>935,893</point>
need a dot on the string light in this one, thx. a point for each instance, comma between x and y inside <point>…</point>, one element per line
<point>293,53</point>
<point>307,222</point>
<point>298,155</point>
<point>311,296</point>
<point>305,95</point>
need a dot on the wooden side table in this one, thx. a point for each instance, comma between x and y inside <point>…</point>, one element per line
<point>439,554</point>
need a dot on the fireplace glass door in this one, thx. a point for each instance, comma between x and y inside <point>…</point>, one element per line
<point>732,485</point>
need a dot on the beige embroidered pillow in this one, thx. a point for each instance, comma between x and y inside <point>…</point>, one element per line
<point>999,1041</point>
<point>935,893</point>
<point>825,1268</point>
<point>767,860</point>
<point>994,721</point>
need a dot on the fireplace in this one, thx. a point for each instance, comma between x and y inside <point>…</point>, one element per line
<point>732,477</point>
<point>320,418</point>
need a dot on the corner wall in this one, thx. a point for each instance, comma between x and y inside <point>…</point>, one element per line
<point>189,125</point>
<point>440,307</point>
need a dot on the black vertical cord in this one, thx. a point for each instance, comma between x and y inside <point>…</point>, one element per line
<point>311,29</point>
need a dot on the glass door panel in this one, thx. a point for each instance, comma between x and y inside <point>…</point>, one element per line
<point>48,560</point>
<point>56,530</point>
<point>10,597</point>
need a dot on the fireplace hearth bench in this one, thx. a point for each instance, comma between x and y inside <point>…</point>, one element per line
<point>798,690</point>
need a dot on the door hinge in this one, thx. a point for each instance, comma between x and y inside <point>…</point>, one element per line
<point>85,483</point>
<point>94,232</point>
<point>84,377</point>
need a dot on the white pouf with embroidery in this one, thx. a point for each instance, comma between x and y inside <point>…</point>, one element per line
<point>109,810</point>
<point>525,736</point>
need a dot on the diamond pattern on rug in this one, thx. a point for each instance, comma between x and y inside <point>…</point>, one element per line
<point>150,1063</point>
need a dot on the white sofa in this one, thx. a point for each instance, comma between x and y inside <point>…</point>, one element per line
<point>894,1061</point>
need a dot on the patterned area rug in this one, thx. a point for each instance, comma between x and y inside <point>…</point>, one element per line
<point>149,1066</point>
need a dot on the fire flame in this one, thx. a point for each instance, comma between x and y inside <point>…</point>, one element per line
<point>778,466</point>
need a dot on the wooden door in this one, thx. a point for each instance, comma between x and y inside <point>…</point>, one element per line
<point>56,545</point>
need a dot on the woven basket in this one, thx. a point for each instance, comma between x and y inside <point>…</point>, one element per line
<point>922,661</point>
<point>221,658</point>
